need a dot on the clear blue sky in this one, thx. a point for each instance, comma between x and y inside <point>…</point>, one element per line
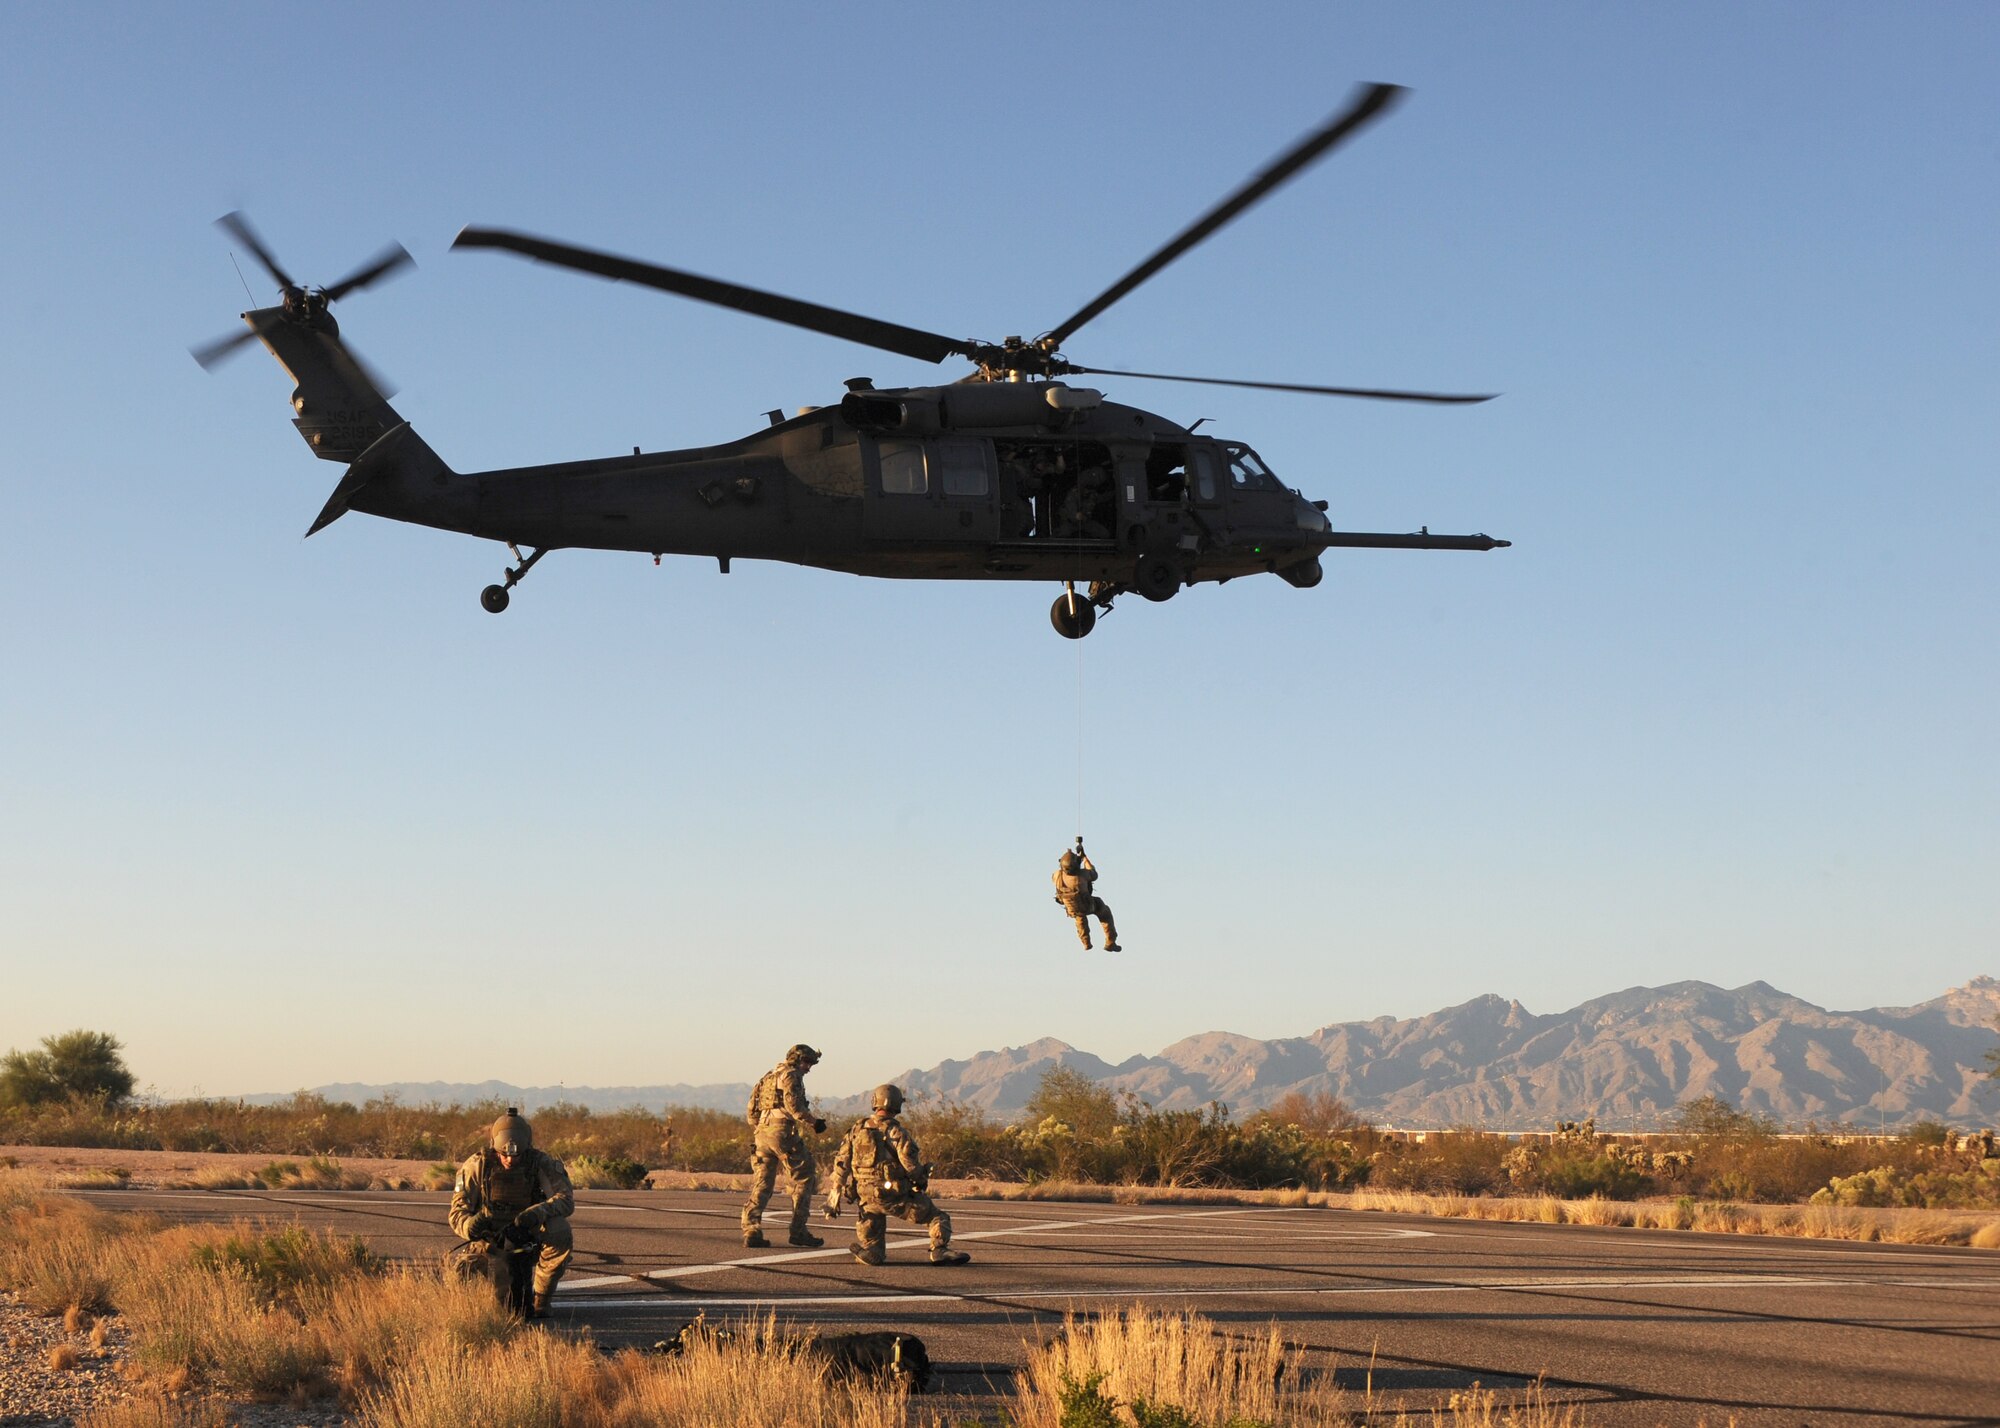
<point>280,812</point>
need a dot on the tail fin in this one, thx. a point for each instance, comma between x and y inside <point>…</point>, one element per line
<point>340,412</point>
<point>343,416</point>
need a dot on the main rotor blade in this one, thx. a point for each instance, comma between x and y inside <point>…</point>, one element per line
<point>1366,106</point>
<point>385,262</point>
<point>889,336</point>
<point>211,354</point>
<point>238,227</point>
<point>1378,393</point>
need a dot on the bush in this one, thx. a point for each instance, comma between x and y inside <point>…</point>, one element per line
<point>83,1065</point>
<point>609,1172</point>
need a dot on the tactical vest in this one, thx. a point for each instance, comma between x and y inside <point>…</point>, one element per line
<point>765,1097</point>
<point>874,1159</point>
<point>508,1192</point>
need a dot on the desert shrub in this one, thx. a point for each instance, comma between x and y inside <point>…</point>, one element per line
<point>1172,1147</point>
<point>701,1139</point>
<point>1945,1187</point>
<point>1067,1096</point>
<point>309,1126</point>
<point>607,1172</point>
<point>1464,1162</point>
<point>1317,1113</point>
<point>963,1142</point>
<point>76,1065</point>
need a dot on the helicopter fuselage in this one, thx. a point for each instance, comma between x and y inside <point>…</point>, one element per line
<point>1030,480</point>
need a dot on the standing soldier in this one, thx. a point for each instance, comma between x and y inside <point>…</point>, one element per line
<point>1074,879</point>
<point>513,1200</point>
<point>777,1110</point>
<point>880,1168</point>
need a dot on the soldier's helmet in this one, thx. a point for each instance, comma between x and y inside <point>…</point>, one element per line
<point>890,1099</point>
<point>803,1054</point>
<point>511,1134</point>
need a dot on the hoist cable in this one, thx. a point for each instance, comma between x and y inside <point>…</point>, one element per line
<point>1079,741</point>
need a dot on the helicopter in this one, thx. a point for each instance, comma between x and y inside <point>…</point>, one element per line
<point>1007,473</point>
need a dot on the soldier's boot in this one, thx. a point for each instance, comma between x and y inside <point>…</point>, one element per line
<point>941,1250</point>
<point>753,1238</point>
<point>539,1309</point>
<point>863,1255</point>
<point>804,1239</point>
<point>1110,935</point>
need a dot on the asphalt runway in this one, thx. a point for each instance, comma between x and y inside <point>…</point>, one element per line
<point>1636,1327</point>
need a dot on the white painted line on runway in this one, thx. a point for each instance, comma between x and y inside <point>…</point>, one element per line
<point>902,1240</point>
<point>1269,1291</point>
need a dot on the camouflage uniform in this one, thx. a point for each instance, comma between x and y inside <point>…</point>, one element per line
<point>531,1201</point>
<point>778,1110</point>
<point>880,1168</point>
<point>1074,879</point>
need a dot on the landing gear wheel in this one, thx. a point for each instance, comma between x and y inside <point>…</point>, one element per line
<point>1073,616</point>
<point>1157,578</point>
<point>493,599</point>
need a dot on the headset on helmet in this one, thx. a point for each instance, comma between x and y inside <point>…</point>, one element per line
<point>511,1134</point>
<point>803,1054</point>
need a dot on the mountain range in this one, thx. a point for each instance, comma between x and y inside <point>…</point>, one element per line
<point>1627,1059</point>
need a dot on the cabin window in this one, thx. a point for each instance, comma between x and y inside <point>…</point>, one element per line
<point>902,468</point>
<point>1204,476</point>
<point>962,467</point>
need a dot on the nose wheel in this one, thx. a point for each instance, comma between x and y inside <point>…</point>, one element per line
<point>494,598</point>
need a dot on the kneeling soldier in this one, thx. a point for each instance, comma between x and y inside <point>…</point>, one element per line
<point>511,1201</point>
<point>880,1168</point>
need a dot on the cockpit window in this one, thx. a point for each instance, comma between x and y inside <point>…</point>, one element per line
<point>1247,473</point>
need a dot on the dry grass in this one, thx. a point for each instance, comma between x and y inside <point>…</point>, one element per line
<point>105,1178</point>
<point>1091,1193</point>
<point>756,1380</point>
<point>1166,1361</point>
<point>214,1177</point>
<point>54,1253</point>
<point>63,1358</point>
<point>1916,1227</point>
<point>156,1413</point>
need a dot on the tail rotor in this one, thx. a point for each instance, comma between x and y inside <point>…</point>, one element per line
<point>298,303</point>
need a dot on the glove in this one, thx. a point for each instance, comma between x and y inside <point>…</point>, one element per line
<point>483,1227</point>
<point>819,1126</point>
<point>518,1234</point>
<point>531,1219</point>
<point>923,1178</point>
<point>833,1209</point>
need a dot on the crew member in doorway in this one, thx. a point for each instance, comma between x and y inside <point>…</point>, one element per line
<point>1075,880</point>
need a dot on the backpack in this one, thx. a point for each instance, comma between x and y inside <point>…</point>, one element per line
<point>762,1098</point>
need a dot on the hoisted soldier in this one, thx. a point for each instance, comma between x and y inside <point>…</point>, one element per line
<point>777,1113</point>
<point>510,1203</point>
<point>1075,880</point>
<point>881,1170</point>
